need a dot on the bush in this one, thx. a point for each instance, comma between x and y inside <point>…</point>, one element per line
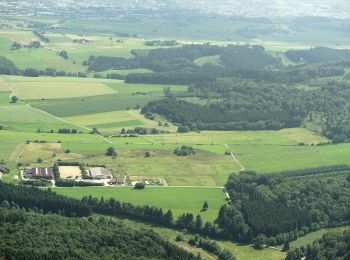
<point>180,238</point>
<point>111,152</point>
<point>140,185</point>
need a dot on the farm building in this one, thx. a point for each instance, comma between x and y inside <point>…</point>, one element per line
<point>69,172</point>
<point>100,173</point>
<point>39,173</point>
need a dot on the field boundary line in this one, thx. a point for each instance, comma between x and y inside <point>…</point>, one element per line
<point>68,122</point>
<point>234,157</point>
<point>20,154</point>
<point>9,85</point>
<point>58,118</point>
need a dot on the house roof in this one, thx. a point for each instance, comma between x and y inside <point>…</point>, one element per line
<point>41,172</point>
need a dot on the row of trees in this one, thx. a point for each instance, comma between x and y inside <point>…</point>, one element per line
<point>46,200</point>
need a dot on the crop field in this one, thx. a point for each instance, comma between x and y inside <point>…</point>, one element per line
<point>66,87</point>
<point>180,200</point>
<point>113,122</point>
<point>93,105</point>
<point>20,117</point>
<point>56,89</point>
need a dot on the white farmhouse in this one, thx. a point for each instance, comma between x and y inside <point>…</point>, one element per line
<point>100,173</point>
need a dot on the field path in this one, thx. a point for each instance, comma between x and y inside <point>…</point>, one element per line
<point>42,111</point>
<point>8,85</point>
<point>20,154</point>
<point>234,157</point>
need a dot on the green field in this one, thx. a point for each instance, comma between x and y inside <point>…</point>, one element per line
<point>113,122</point>
<point>180,200</point>
<point>55,88</point>
<point>92,105</point>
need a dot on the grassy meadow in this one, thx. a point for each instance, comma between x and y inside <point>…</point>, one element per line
<point>180,200</point>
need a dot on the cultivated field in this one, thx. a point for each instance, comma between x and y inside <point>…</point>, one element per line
<point>113,122</point>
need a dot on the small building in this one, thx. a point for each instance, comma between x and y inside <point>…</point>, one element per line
<point>100,173</point>
<point>39,173</point>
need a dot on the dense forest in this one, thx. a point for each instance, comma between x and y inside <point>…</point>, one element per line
<point>333,245</point>
<point>283,206</point>
<point>236,104</point>
<point>29,234</point>
<point>318,54</point>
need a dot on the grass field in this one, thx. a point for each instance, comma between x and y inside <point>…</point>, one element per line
<point>180,200</point>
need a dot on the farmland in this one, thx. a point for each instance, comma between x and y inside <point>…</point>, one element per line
<point>180,200</point>
<point>46,57</point>
<point>229,120</point>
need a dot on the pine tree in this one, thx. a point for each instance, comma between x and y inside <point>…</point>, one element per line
<point>199,222</point>
<point>205,205</point>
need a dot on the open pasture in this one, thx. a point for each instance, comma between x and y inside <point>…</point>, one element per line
<point>180,200</point>
<point>272,158</point>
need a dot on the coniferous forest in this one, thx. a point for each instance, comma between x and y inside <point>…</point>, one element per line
<point>284,206</point>
<point>29,234</point>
